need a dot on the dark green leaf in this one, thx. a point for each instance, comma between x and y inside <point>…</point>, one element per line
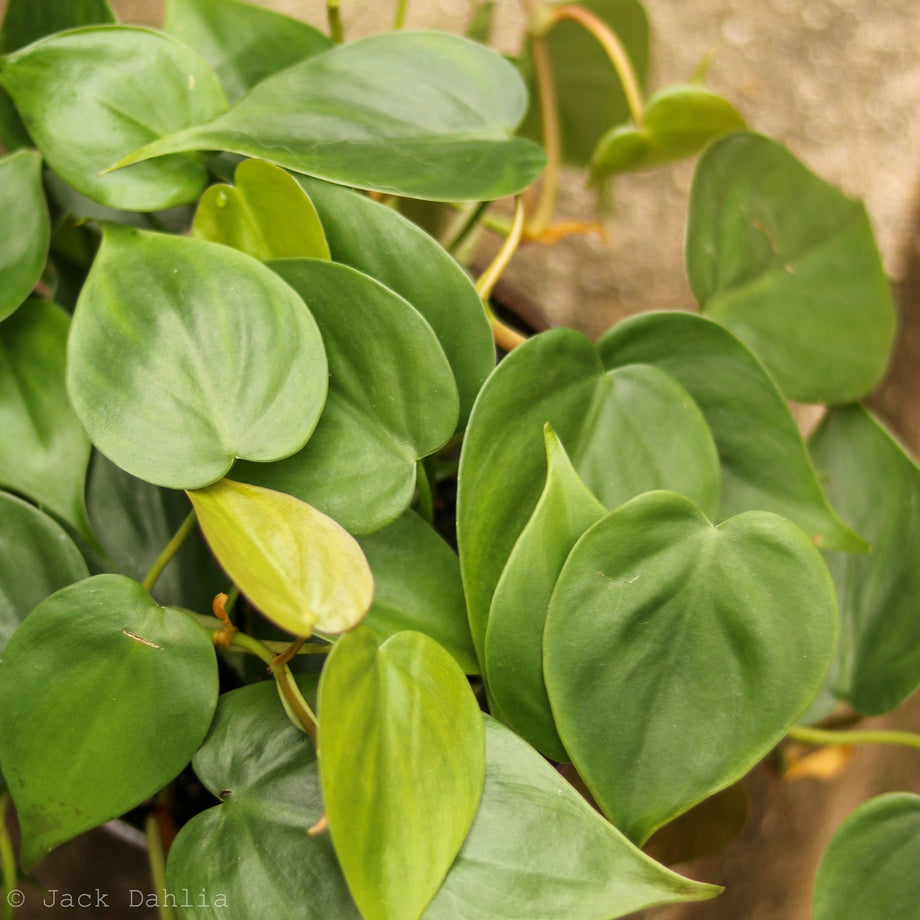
<point>790,265</point>
<point>392,399</point>
<point>13,134</point>
<point>407,707</point>
<point>765,464</point>
<point>90,96</point>
<point>186,354</point>
<point>422,114</point>
<point>102,680</point>
<point>26,229</point>
<point>677,654</point>
<point>241,41</point>
<point>27,21</point>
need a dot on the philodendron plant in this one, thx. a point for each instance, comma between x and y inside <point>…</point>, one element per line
<point>445,637</point>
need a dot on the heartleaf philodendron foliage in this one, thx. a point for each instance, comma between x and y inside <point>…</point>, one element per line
<point>236,379</point>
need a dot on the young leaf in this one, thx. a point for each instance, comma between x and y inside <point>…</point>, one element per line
<point>409,711</point>
<point>27,21</point>
<point>392,399</point>
<point>266,214</point>
<point>538,850</point>
<point>241,41</point>
<point>790,265</point>
<point>185,355</point>
<point>869,869</point>
<point>90,96</point>
<point>879,654</point>
<point>514,635</point>
<point>26,229</point>
<point>443,113</point>
<point>765,464</point>
<point>300,568</point>
<point>677,654</point>
<point>102,679</point>
<point>43,450</point>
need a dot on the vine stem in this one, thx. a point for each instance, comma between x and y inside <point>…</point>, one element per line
<point>157,857</point>
<point>8,872</point>
<point>266,649</point>
<point>297,706</point>
<point>334,17</point>
<point>831,736</point>
<point>156,570</point>
<point>399,20</point>
<point>549,113</point>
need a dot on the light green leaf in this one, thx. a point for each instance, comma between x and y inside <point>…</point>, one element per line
<point>299,567</point>
<point>26,229</point>
<point>680,121</point>
<point>677,654</point>
<point>120,690</point>
<point>417,586</point>
<point>392,399</point>
<point>407,707</point>
<point>266,214</point>
<point>264,772</point>
<point>876,485</point>
<point>90,96</point>
<point>765,464</point>
<point>43,449</point>
<point>244,43</point>
<point>790,265</point>
<point>538,850</point>
<point>186,354</point>
<point>514,634</point>
<point>382,243</point>
<point>626,432</point>
<point>27,21</point>
<point>869,869</point>
<point>345,116</point>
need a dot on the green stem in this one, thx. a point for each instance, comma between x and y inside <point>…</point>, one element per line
<point>333,15</point>
<point>157,859</point>
<point>399,20</point>
<point>297,706</point>
<point>425,498</point>
<point>156,570</point>
<point>462,234</point>
<point>8,872</point>
<point>830,736</point>
<point>549,114</point>
<point>232,597</point>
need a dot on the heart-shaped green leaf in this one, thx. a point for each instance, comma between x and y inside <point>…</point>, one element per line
<point>103,680</point>
<point>514,635</point>
<point>264,772</point>
<point>417,586</point>
<point>345,116</point>
<point>790,265</point>
<point>43,448</point>
<point>26,21</point>
<point>266,214</point>
<point>878,661</point>
<point>392,399</point>
<point>299,567</point>
<point>869,869</point>
<point>90,96</point>
<point>538,850</point>
<point>185,354</point>
<point>26,229</point>
<point>676,654</point>
<point>626,431</point>
<point>382,243</point>
<point>244,43</point>
<point>680,121</point>
<point>408,710</point>
<point>765,464</point>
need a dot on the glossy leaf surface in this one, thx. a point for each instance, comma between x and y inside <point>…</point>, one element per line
<point>876,485</point>
<point>264,771</point>
<point>26,229</point>
<point>626,432</point>
<point>91,96</point>
<point>790,265</point>
<point>765,464</point>
<point>538,850</point>
<point>298,566</point>
<point>43,448</point>
<point>266,214</point>
<point>514,635</point>
<point>26,21</point>
<point>677,654</point>
<point>186,354</point>
<point>392,399</point>
<point>409,710</point>
<point>421,114</point>
<point>244,43</point>
<point>382,243</point>
<point>125,715</point>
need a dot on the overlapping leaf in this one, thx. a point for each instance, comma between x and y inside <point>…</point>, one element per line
<point>26,21</point>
